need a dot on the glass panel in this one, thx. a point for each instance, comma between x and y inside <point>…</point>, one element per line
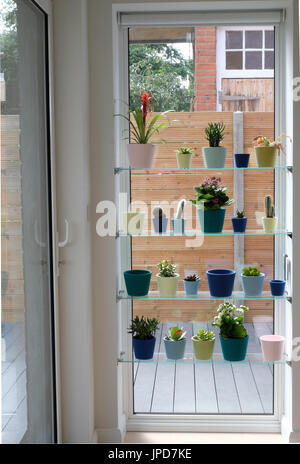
<point>253,60</point>
<point>27,395</point>
<point>253,39</point>
<point>269,60</point>
<point>269,39</point>
<point>234,60</point>
<point>234,40</point>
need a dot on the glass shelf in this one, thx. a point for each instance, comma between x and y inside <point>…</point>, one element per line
<point>203,296</point>
<point>154,170</point>
<point>198,233</point>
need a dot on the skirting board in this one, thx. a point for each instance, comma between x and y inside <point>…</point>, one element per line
<point>289,435</point>
<point>115,435</point>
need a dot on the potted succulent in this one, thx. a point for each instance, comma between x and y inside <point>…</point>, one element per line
<point>175,343</point>
<point>239,222</point>
<point>143,336</point>
<point>160,221</point>
<point>266,150</point>
<point>272,347</point>
<point>178,223</point>
<point>241,160</point>
<point>211,200</point>
<point>214,155</point>
<point>137,281</point>
<point>270,221</point>
<point>167,279</point>
<point>253,281</point>
<point>191,284</point>
<point>233,334</point>
<point>220,282</point>
<point>133,222</point>
<point>141,152</point>
<point>184,157</point>
<point>203,344</point>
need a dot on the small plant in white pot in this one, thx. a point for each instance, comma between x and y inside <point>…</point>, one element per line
<point>270,221</point>
<point>141,152</point>
<point>203,344</point>
<point>184,157</point>
<point>214,155</point>
<point>175,343</point>
<point>167,279</point>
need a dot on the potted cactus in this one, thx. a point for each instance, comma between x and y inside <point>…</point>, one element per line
<point>203,344</point>
<point>160,221</point>
<point>178,223</point>
<point>214,155</point>
<point>270,221</point>
<point>191,284</point>
<point>143,336</point>
<point>167,279</point>
<point>211,200</point>
<point>184,157</point>
<point>233,334</point>
<point>253,281</point>
<point>175,343</point>
<point>239,222</point>
<point>266,150</point>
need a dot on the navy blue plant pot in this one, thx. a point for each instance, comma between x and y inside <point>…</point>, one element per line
<point>137,282</point>
<point>241,160</point>
<point>239,224</point>
<point>143,349</point>
<point>234,349</point>
<point>211,220</point>
<point>160,225</point>
<point>220,282</point>
<point>277,287</point>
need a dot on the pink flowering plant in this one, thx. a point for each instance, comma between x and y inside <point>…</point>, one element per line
<point>262,141</point>
<point>212,194</point>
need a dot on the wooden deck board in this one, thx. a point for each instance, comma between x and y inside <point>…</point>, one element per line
<point>249,398</point>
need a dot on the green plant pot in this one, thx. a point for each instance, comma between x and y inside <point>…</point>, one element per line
<point>266,157</point>
<point>214,157</point>
<point>184,160</point>
<point>203,350</point>
<point>211,220</point>
<point>234,349</point>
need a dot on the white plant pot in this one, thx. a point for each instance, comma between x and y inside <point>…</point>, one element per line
<point>141,156</point>
<point>270,224</point>
<point>133,222</point>
<point>167,286</point>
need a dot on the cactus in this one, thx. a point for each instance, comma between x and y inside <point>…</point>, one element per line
<point>180,209</point>
<point>158,212</point>
<point>269,207</point>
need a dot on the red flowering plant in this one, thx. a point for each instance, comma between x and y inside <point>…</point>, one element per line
<point>143,129</point>
<point>211,194</point>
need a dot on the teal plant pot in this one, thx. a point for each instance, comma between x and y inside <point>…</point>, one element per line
<point>175,349</point>
<point>211,220</point>
<point>214,157</point>
<point>234,349</point>
<point>137,282</point>
<point>253,285</point>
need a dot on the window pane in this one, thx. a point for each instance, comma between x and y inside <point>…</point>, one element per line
<point>253,39</point>
<point>234,39</point>
<point>234,60</point>
<point>269,59</point>
<point>253,60</point>
<point>269,39</point>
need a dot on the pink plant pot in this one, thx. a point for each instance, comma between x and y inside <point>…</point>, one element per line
<point>272,347</point>
<point>141,156</point>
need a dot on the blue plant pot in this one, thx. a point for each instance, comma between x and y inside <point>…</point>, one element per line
<point>160,225</point>
<point>241,160</point>
<point>220,282</point>
<point>253,285</point>
<point>234,349</point>
<point>175,350</point>
<point>143,349</point>
<point>178,226</point>
<point>239,224</point>
<point>191,287</point>
<point>211,220</point>
<point>277,287</point>
<point>137,282</point>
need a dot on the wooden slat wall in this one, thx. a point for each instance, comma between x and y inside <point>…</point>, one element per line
<point>172,186</point>
<point>262,88</point>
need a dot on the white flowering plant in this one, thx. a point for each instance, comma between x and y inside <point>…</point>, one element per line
<point>230,320</point>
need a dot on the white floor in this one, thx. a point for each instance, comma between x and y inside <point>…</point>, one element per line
<point>204,438</point>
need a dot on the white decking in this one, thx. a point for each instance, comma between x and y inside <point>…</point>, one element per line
<point>205,387</point>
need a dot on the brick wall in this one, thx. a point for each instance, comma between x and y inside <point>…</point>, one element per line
<point>205,69</point>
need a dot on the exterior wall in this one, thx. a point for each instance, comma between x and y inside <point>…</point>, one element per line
<point>205,69</point>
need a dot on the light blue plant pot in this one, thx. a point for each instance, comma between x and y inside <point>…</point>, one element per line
<point>175,349</point>
<point>178,226</point>
<point>191,287</point>
<point>214,157</point>
<point>253,285</point>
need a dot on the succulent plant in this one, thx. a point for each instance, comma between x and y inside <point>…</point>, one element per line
<point>143,328</point>
<point>192,278</point>
<point>240,214</point>
<point>204,335</point>
<point>166,269</point>
<point>180,209</point>
<point>158,212</point>
<point>214,133</point>
<point>175,334</point>
<point>250,271</point>
<point>184,151</point>
<point>269,207</point>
